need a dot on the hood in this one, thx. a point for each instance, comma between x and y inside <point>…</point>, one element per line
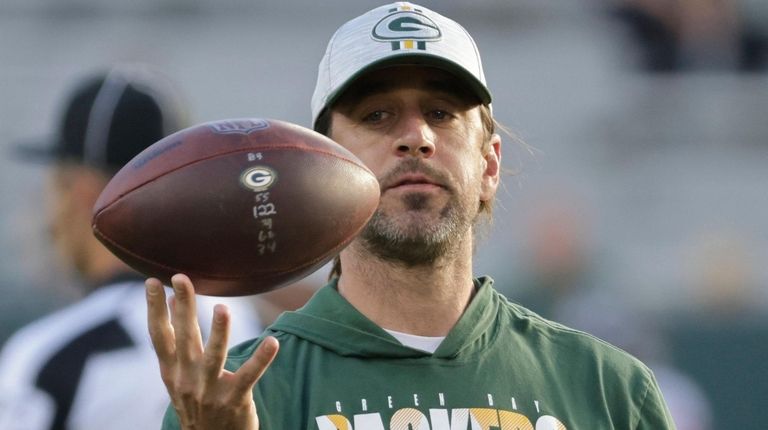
<point>331,322</point>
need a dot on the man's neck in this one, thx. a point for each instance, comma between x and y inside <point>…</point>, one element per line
<point>423,300</point>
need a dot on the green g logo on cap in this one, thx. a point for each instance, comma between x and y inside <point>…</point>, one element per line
<point>406,29</point>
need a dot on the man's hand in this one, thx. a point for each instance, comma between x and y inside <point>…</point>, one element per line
<point>204,395</point>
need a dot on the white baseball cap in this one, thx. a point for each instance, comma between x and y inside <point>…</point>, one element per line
<point>396,34</point>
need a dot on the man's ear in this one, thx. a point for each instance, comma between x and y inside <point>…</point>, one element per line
<point>492,169</point>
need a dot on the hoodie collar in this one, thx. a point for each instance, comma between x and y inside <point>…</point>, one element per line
<point>330,321</point>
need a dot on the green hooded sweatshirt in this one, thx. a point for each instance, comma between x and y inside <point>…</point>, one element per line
<point>501,367</point>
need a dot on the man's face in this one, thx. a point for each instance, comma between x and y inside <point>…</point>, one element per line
<point>62,218</point>
<point>72,191</point>
<point>423,139</point>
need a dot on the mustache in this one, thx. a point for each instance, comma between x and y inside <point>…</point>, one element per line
<point>414,166</point>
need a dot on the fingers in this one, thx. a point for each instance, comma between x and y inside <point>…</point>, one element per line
<point>189,342</point>
<point>195,376</point>
<point>216,348</point>
<point>252,370</point>
<point>160,329</point>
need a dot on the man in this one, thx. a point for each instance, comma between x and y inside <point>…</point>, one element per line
<point>91,365</point>
<point>404,337</point>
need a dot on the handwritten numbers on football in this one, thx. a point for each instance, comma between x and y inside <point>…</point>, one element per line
<point>263,211</point>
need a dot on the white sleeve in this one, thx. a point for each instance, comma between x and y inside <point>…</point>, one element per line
<point>22,405</point>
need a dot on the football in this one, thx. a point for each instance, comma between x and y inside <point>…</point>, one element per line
<point>242,206</point>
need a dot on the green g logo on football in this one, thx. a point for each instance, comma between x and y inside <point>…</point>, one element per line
<point>258,178</point>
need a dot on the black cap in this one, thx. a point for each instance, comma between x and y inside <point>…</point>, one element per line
<point>111,117</point>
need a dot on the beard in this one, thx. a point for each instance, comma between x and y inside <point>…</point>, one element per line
<point>413,237</point>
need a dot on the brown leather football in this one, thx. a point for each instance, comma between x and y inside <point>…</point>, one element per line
<point>242,206</point>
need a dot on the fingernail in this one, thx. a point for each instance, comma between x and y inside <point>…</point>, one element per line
<point>152,288</point>
<point>178,288</point>
<point>271,346</point>
<point>218,313</point>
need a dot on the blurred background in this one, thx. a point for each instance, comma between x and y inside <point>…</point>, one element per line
<point>637,208</point>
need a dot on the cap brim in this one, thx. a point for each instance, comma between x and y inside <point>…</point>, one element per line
<point>41,151</point>
<point>410,59</point>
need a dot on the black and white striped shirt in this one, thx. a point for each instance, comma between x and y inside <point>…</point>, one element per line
<point>91,365</point>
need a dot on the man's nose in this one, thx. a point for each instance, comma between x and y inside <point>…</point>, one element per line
<point>415,138</point>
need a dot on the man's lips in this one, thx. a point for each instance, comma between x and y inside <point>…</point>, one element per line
<point>413,181</point>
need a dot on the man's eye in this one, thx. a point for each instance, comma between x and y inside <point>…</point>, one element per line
<point>439,115</point>
<point>374,116</point>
